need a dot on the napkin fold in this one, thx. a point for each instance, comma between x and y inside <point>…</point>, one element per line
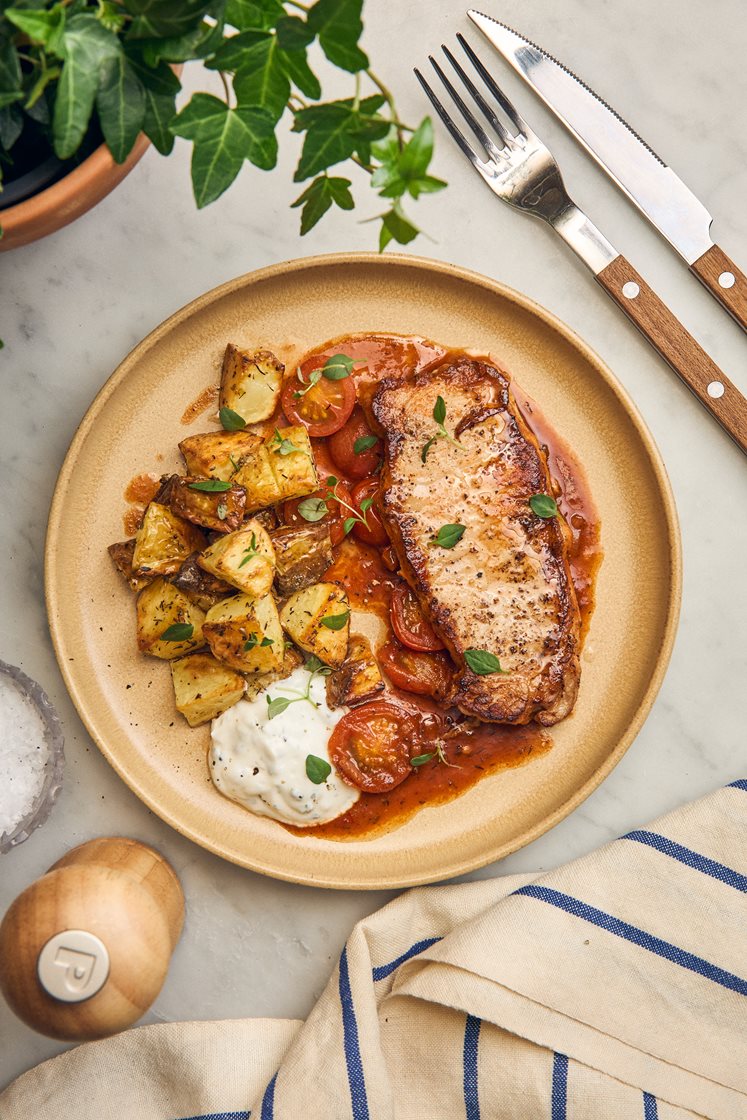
<point>611,988</point>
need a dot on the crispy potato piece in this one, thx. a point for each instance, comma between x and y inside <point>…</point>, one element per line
<point>258,479</point>
<point>305,614</point>
<point>160,606</point>
<point>245,559</point>
<point>220,510</point>
<point>121,554</point>
<point>267,518</point>
<point>200,587</point>
<point>243,621</point>
<point>272,474</point>
<point>163,542</point>
<point>257,683</point>
<point>358,679</point>
<point>203,688</point>
<point>302,555</point>
<point>250,383</point>
<point>218,454</point>
<point>295,472</point>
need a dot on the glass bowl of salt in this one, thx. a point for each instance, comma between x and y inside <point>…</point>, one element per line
<point>31,756</point>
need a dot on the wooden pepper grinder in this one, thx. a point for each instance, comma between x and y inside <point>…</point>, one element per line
<point>85,950</point>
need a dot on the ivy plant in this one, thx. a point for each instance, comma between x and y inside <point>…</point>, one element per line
<point>75,69</point>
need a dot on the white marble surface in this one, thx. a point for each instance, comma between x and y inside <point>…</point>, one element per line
<point>73,305</point>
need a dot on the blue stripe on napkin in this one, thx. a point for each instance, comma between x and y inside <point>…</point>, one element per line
<point>741,783</point>
<point>688,856</point>
<point>268,1101</point>
<point>381,971</point>
<point>636,936</point>
<point>356,1080</point>
<point>471,1040</point>
<point>559,1096</point>
<point>650,1111</point>
<point>220,1116</point>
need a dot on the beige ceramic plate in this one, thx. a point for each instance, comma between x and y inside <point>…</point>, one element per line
<point>134,425</point>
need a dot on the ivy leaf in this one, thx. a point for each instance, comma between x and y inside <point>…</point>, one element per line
<point>11,126</point>
<point>482,662</point>
<point>10,67</point>
<point>160,87</point>
<point>162,19</point>
<point>300,73</point>
<point>43,27</point>
<point>230,420</point>
<point>293,34</point>
<point>200,42</point>
<point>332,132</point>
<point>249,14</point>
<point>261,82</point>
<point>319,197</point>
<point>120,103</point>
<point>404,170</point>
<point>85,47</point>
<point>223,138</point>
<point>339,27</point>
<point>232,54</point>
<point>110,15</point>
<point>9,98</point>
<point>178,632</point>
<point>317,770</point>
<point>396,227</point>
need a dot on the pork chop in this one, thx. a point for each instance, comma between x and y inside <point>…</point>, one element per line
<point>506,586</point>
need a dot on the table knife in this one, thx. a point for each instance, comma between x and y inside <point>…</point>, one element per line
<point>654,188</point>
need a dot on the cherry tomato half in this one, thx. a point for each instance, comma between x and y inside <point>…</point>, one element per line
<point>354,464</point>
<point>373,532</point>
<point>370,746</point>
<point>410,624</point>
<point>335,516</point>
<point>425,674</point>
<point>323,408</point>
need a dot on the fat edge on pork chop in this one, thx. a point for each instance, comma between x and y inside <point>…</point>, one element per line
<point>506,586</point>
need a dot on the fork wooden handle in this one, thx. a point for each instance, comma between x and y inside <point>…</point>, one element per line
<point>686,357</point>
<point>725,281</point>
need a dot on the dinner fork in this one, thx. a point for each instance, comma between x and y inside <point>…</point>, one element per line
<point>521,170</point>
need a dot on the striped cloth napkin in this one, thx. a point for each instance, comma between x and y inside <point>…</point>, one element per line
<point>610,989</point>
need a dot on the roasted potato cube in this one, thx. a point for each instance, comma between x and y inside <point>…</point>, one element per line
<point>218,454</point>
<point>258,479</point>
<point>121,554</point>
<point>302,555</point>
<point>258,682</point>
<point>250,383</point>
<point>245,559</point>
<point>246,633</point>
<point>163,542</point>
<point>318,620</point>
<point>200,586</point>
<point>267,518</point>
<point>219,510</point>
<point>358,679</point>
<point>294,470</point>
<point>203,688</point>
<point>160,607</point>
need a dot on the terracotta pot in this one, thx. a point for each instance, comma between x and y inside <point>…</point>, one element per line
<point>67,199</point>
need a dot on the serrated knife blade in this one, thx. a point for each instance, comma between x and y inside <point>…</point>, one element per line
<point>654,188</point>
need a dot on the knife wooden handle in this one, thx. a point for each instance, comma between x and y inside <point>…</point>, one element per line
<point>725,281</point>
<point>686,357</point>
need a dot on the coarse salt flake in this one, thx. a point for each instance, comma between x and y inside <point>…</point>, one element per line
<point>24,755</point>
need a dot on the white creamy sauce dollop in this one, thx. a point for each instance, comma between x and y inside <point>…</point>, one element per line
<point>261,762</point>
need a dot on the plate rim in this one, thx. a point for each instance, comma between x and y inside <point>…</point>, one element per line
<point>431,266</point>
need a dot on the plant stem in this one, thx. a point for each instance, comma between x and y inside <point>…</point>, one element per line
<point>226,87</point>
<point>388,97</point>
<point>357,98</point>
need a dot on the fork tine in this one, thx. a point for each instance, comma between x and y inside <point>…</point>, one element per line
<point>486,110</point>
<point>516,119</point>
<point>467,113</point>
<point>460,139</point>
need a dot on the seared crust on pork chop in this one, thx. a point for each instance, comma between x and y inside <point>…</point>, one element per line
<point>506,586</point>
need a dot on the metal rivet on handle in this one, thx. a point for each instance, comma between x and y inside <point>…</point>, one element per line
<point>727,280</point>
<point>715,389</point>
<point>631,289</point>
<point>73,965</point>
